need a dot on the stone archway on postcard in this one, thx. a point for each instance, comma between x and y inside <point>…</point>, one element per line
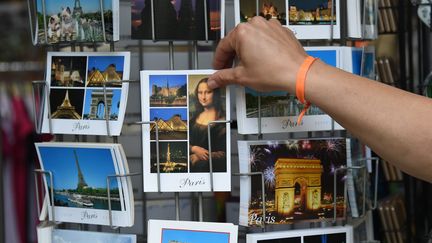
<point>306,174</point>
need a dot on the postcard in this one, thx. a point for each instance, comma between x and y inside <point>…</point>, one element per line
<point>280,110</point>
<point>80,172</point>
<point>77,236</point>
<point>299,180</point>
<point>182,107</point>
<point>178,19</point>
<point>83,93</point>
<point>307,19</point>
<point>337,234</point>
<point>166,231</point>
<point>69,21</point>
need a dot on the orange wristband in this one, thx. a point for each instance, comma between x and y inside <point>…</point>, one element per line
<point>300,85</point>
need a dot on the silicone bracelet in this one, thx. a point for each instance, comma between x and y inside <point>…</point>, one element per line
<point>300,85</point>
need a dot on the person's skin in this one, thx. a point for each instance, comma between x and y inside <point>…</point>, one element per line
<point>393,123</point>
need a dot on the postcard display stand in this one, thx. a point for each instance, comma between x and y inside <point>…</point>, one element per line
<point>42,85</point>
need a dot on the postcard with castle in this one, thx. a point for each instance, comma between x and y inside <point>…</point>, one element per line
<point>312,19</point>
<point>279,110</point>
<point>86,95</point>
<point>79,173</point>
<point>170,231</point>
<point>178,19</point>
<point>68,21</point>
<point>184,114</point>
<point>298,180</point>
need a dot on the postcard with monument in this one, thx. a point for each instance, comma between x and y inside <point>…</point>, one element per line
<point>313,19</point>
<point>80,172</point>
<point>298,180</point>
<point>183,115</point>
<point>86,93</point>
<point>337,234</point>
<point>279,110</point>
<point>67,21</point>
<point>170,231</point>
<point>178,19</point>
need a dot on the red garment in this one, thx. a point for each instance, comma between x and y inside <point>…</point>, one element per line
<point>22,132</point>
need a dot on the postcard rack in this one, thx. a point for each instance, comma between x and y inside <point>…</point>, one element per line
<point>44,86</point>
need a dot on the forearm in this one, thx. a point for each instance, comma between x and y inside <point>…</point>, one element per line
<point>394,123</point>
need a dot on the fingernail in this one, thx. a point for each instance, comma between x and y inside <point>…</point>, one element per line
<point>212,84</point>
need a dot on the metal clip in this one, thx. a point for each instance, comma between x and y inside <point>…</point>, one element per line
<point>209,125</point>
<point>157,149</point>
<point>108,179</point>
<point>49,173</point>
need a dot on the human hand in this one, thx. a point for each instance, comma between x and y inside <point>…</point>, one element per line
<point>269,57</point>
<point>201,153</point>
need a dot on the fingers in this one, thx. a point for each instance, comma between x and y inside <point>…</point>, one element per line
<point>225,77</point>
<point>225,52</point>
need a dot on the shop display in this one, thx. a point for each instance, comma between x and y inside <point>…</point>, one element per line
<point>182,106</point>
<point>299,180</point>
<point>279,110</point>
<point>70,21</point>
<point>77,236</point>
<point>85,90</point>
<point>336,234</point>
<point>166,231</point>
<point>178,20</point>
<point>80,172</point>
<point>316,19</point>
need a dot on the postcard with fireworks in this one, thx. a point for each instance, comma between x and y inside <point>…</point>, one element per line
<point>182,110</point>
<point>69,21</point>
<point>79,236</point>
<point>280,110</point>
<point>80,172</point>
<point>85,90</point>
<point>313,19</point>
<point>178,19</point>
<point>166,231</point>
<point>336,234</point>
<point>298,177</point>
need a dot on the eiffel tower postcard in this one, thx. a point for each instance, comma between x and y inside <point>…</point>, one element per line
<point>65,21</point>
<point>77,101</point>
<point>80,174</point>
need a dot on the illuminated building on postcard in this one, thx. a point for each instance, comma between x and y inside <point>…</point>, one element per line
<point>66,110</point>
<point>298,185</point>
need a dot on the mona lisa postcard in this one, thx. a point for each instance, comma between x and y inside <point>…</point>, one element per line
<point>184,115</point>
<point>298,180</point>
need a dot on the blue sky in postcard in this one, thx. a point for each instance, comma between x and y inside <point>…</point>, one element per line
<point>102,62</point>
<point>95,164</point>
<point>173,80</point>
<point>166,114</point>
<point>88,6</point>
<point>190,236</point>
<point>327,56</point>
<point>114,103</point>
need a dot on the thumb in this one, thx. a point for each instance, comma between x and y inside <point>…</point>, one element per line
<point>224,77</point>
